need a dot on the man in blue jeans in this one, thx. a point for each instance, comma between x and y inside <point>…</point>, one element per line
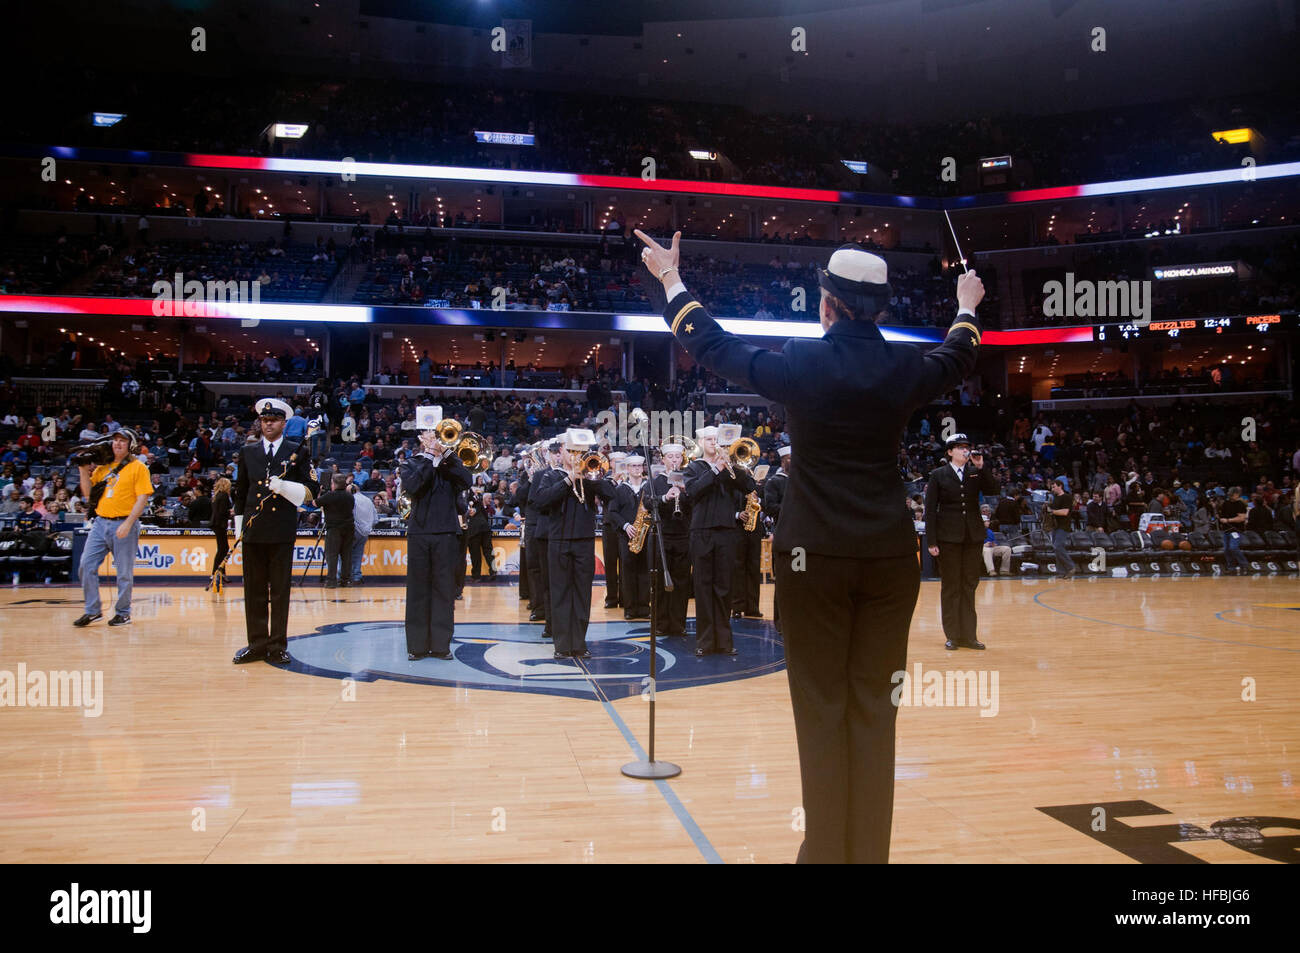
<point>363,521</point>
<point>1060,509</point>
<point>1233,516</point>
<point>117,492</point>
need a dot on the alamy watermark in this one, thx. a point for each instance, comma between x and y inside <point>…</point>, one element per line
<point>178,298</point>
<point>620,430</point>
<point>1096,299</point>
<point>936,689</point>
<point>54,689</point>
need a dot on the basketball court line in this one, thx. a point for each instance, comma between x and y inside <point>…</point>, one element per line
<point>693,830</point>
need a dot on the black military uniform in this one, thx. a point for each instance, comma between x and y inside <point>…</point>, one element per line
<point>848,594</point>
<point>612,538</point>
<point>715,536</point>
<point>462,538</point>
<point>675,521</point>
<point>634,567</point>
<point>433,559</point>
<point>745,585</point>
<point>520,500</point>
<point>536,528</point>
<point>774,488</point>
<point>571,551</point>
<point>269,535</point>
<point>953,523</point>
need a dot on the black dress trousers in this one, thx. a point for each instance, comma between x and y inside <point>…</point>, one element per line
<point>713,557</point>
<point>673,605</point>
<point>960,565</point>
<point>573,569</point>
<point>539,569</point>
<point>845,624</point>
<point>745,584</point>
<point>430,591</point>
<point>612,550</point>
<point>268,575</point>
<point>634,570</point>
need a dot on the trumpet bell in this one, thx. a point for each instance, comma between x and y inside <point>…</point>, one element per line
<point>448,431</point>
<point>744,452</point>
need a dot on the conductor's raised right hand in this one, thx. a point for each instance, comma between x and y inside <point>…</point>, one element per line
<point>970,290</point>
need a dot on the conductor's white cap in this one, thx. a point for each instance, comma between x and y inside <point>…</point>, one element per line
<point>273,405</point>
<point>854,264</point>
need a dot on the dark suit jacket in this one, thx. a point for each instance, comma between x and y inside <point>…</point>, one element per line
<point>676,525</point>
<point>714,495</point>
<point>569,517</point>
<point>624,506</point>
<point>952,506</point>
<point>433,491</point>
<point>848,396</point>
<point>277,522</point>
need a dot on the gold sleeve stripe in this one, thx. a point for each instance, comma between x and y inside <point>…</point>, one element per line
<point>969,327</point>
<point>687,309</point>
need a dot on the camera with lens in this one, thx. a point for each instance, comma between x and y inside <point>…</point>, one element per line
<point>93,454</point>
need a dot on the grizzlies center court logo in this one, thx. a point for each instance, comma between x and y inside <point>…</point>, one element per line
<point>514,657</point>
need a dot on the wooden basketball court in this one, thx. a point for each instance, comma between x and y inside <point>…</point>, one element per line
<point>1108,690</point>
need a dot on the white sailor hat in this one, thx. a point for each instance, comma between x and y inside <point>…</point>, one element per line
<point>618,455</point>
<point>635,458</point>
<point>706,432</point>
<point>858,278</point>
<point>955,439</point>
<point>578,439</point>
<point>672,448</point>
<point>273,406</point>
<point>783,451</point>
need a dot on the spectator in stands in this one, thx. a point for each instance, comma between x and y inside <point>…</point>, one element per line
<point>993,550</point>
<point>199,509</point>
<point>29,518</point>
<point>1260,517</point>
<point>112,425</point>
<point>12,502</point>
<point>1097,514</point>
<point>374,483</point>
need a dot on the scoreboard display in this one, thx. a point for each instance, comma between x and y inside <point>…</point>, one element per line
<point>1195,327</point>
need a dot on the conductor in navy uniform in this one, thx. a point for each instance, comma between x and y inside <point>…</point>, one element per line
<point>275,478</point>
<point>954,533</point>
<point>845,550</point>
<point>434,479</point>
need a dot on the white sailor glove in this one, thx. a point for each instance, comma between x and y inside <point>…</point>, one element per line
<point>295,493</point>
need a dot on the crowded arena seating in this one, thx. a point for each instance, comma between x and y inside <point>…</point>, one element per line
<point>394,121</point>
<point>285,271</point>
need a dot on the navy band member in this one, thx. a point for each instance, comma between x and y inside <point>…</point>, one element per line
<point>635,567</point>
<point>275,478</point>
<point>612,544</point>
<point>954,533</point>
<point>747,575</point>
<point>774,488</point>
<point>434,479</point>
<point>712,484</point>
<point>675,521</point>
<point>845,548</point>
<point>539,562</point>
<point>571,499</point>
<point>519,500</point>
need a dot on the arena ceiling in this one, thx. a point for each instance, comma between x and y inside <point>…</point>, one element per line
<point>899,60</point>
